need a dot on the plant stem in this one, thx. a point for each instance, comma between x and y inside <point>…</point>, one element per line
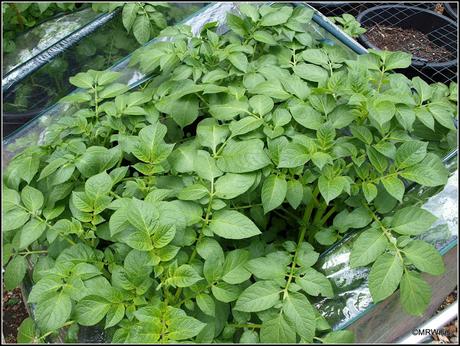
<point>25,253</point>
<point>386,231</point>
<point>249,325</point>
<point>328,215</point>
<point>303,230</point>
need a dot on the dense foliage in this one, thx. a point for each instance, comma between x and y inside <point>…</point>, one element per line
<point>195,208</point>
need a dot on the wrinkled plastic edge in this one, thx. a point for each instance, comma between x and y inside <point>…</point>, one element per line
<point>25,69</point>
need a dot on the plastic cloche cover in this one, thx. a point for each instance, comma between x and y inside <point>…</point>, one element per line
<point>352,299</point>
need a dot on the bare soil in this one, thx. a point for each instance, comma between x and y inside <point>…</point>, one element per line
<point>14,312</point>
<point>407,40</point>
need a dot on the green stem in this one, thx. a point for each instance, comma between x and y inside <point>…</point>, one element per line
<point>319,213</point>
<point>51,332</point>
<point>248,325</point>
<point>328,215</point>
<point>303,230</point>
<point>386,231</point>
<point>25,253</point>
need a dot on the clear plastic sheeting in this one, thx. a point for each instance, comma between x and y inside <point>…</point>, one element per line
<point>53,50</point>
<point>41,81</point>
<point>45,35</point>
<point>352,299</point>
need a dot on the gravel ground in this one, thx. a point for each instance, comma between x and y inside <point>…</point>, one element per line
<point>451,330</point>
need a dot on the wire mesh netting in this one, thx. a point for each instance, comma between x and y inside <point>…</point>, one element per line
<point>440,30</point>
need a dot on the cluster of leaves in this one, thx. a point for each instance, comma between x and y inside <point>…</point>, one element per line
<point>195,208</point>
<point>144,19</point>
<point>349,24</point>
<point>19,16</point>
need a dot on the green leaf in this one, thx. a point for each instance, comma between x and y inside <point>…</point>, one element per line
<point>113,90</point>
<point>261,104</point>
<point>129,15</point>
<point>229,109</point>
<point>184,276</point>
<point>300,313</point>
<point>266,268</point>
<point>423,89</point>
<point>231,224</point>
<point>243,156</point>
<point>193,192</point>
<point>82,80</point>
<point>265,37</point>
<point>231,185</point>
<point>245,125</point>
<point>379,161</point>
<point>443,114</point>
<point>370,191</point>
<point>206,304</point>
<point>239,60</point>
<point>293,155</point>
<point>294,193</point>
<point>142,215</point>
<point>249,337</point>
<point>315,283</point>
<point>277,330</point>
<point>114,315</point>
<point>184,327</point>
<point>412,221</point>
<point>210,134</point>
<point>141,29</point>
<point>52,313</point>
<point>32,198</point>
<point>385,276</point>
<point>367,247</point>
<point>424,257</point>
<point>27,333</point>
<point>315,56</point>
<point>410,153</point>
<point>234,271</point>
<point>415,293</point>
<point>339,337</point>
<point>330,188</point>
<point>250,11</point>
<point>15,272</point>
<point>205,166</point>
<point>311,72</point>
<point>396,60</point>
<point>30,232</point>
<point>212,268</point>
<point>91,310</point>
<point>274,191</point>
<point>382,111</point>
<point>260,296</point>
<point>98,186</point>
<point>225,292</point>
<point>430,172</point>
<point>358,218</point>
<point>394,186</point>
<point>163,236</point>
<point>277,17</point>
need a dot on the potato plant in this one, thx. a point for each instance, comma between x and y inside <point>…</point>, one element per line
<point>196,207</point>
